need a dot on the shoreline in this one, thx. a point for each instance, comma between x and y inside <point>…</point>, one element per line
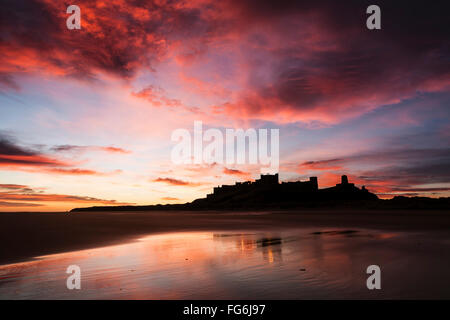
<point>25,236</point>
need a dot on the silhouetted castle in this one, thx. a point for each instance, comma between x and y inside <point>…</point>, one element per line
<point>266,181</point>
<point>268,190</point>
<point>268,193</point>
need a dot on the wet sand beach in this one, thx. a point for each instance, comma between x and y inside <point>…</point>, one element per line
<point>27,235</point>
<point>212,255</point>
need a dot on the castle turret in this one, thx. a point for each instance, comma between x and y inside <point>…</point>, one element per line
<point>268,179</point>
<point>314,183</point>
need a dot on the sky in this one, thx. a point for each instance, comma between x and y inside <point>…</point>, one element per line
<point>86,116</point>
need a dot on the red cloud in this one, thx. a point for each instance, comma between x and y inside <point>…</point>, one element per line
<point>286,62</point>
<point>236,172</point>
<point>321,165</point>
<point>12,186</point>
<point>113,40</point>
<point>111,149</point>
<point>28,160</point>
<point>114,150</point>
<point>21,193</point>
<point>157,97</point>
<point>176,182</point>
<point>55,198</point>
<point>19,204</point>
<point>15,157</point>
<point>75,171</point>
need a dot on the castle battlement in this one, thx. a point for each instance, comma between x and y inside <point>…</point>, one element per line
<point>266,181</point>
<point>268,184</point>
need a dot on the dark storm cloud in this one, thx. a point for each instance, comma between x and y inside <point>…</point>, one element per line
<point>351,69</point>
<point>7,147</point>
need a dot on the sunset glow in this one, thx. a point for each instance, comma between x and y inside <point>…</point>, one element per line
<point>86,116</point>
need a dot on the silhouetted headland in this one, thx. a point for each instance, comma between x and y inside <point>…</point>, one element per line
<point>268,193</point>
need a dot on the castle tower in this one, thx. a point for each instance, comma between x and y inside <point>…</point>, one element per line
<point>314,183</point>
<point>344,179</point>
<point>268,179</point>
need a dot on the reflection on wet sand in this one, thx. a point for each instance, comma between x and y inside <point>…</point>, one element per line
<point>270,247</point>
<point>285,264</point>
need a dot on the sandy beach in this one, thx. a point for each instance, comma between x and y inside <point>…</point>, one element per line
<point>27,235</point>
